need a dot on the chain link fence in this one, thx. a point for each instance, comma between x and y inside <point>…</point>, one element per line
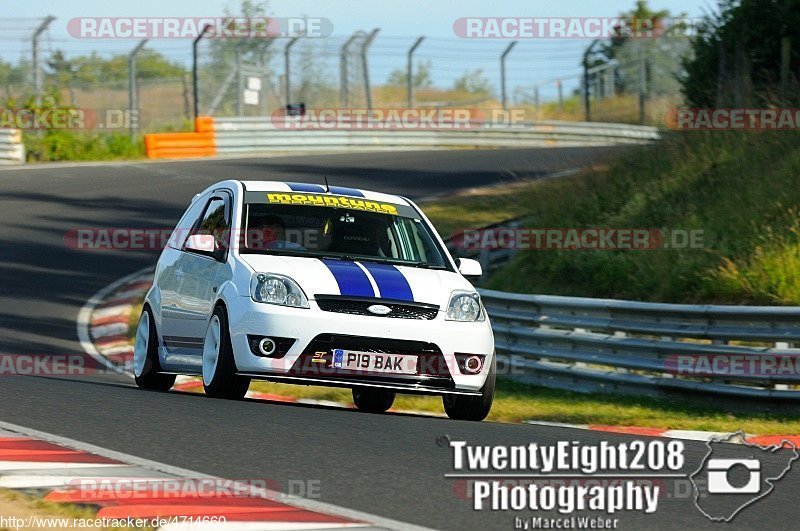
<point>549,79</point>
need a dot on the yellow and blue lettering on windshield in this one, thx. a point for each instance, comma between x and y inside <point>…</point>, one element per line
<point>334,201</point>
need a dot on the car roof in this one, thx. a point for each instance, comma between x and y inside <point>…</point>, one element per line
<point>315,188</point>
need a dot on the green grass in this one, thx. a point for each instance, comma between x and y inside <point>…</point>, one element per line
<point>56,145</point>
<point>740,189</point>
<point>515,402</point>
<point>29,503</point>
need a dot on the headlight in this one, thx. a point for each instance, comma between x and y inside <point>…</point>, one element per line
<point>464,306</point>
<point>277,289</point>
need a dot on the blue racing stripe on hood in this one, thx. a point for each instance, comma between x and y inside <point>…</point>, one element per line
<point>390,281</point>
<point>351,279</point>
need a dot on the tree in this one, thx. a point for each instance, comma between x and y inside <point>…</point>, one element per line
<point>663,50</point>
<point>421,77</point>
<point>315,87</point>
<point>60,67</point>
<point>474,83</point>
<point>87,71</point>
<point>223,51</point>
<point>11,75</point>
<point>737,55</point>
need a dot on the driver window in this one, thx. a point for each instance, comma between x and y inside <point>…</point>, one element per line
<point>216,222</point>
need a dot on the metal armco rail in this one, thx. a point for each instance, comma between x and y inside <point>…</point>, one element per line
<point>249,135</point>
<point>586,345</point>
<point>232,136</point>
<point>12,150</point>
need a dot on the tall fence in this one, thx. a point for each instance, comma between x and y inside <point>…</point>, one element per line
<point>585,345</point>
<point>548,78</point>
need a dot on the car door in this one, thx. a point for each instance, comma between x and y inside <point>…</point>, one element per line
<point>166,279</point>
<point>196,274</point>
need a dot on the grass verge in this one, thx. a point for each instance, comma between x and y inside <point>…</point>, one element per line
<point>23,506</point>
<point>739,189</point>
<point>515,402</point>
<point>60,144</point>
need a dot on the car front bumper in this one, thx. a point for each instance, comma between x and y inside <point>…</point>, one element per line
<point>317,333</point>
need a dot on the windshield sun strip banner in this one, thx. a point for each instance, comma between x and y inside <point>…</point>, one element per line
<point>345,191</point>
<point>304,187</point>
<point>331,201</point>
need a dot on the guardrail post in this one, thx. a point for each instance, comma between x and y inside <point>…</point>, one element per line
<point>365,67</point>
<point>560,95</point>
<point>344,96</point>
<point>239,78</point>
<point>37,73</point>
<point>195,87</point>
<point>410,72</point>
<point>586,94</point>
<point>288,69</point>
<point>642,83</point>
<point>503,73</point>
<point>263,63</point>
<point>132,99</point>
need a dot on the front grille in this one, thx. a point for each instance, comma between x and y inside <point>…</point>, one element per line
<point>358,306</point>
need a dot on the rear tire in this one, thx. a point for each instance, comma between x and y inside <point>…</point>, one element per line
<point>473,407</point>
<point>146,367</point>
<point>372,400</point>
<point>219,368</point>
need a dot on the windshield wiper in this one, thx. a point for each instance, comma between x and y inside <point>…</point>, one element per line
<point>342,257</point>
<point>423,265</point>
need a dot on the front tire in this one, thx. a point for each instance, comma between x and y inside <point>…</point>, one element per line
<point>473,407</point>
<point>219,368</point>
<point>146,366</point>
<point>372,400</point>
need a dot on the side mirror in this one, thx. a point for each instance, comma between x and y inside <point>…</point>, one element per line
<point>201,243</point>
<point>469,267</point>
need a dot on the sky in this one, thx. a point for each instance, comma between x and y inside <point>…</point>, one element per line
<point>400,22</point>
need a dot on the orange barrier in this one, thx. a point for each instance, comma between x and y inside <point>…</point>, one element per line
<point>204,124</point>
<point>201,143</point>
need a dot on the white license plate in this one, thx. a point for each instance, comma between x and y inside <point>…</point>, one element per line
<point>354,360</point>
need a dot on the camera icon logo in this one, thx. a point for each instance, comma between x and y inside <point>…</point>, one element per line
<point>718,476</point>
<point>735,473</point>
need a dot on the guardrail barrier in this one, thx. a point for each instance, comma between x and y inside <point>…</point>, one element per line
<point>201,143</point>
<point>12,150</point>
<point>586,345</point>
<point>231,136</point>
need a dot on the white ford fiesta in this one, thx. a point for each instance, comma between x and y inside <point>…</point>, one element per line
<point>320,285</point>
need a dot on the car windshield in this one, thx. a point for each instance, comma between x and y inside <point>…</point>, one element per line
<point>340,233</point>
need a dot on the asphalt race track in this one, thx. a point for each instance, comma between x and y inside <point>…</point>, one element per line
<point>388,465</point>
